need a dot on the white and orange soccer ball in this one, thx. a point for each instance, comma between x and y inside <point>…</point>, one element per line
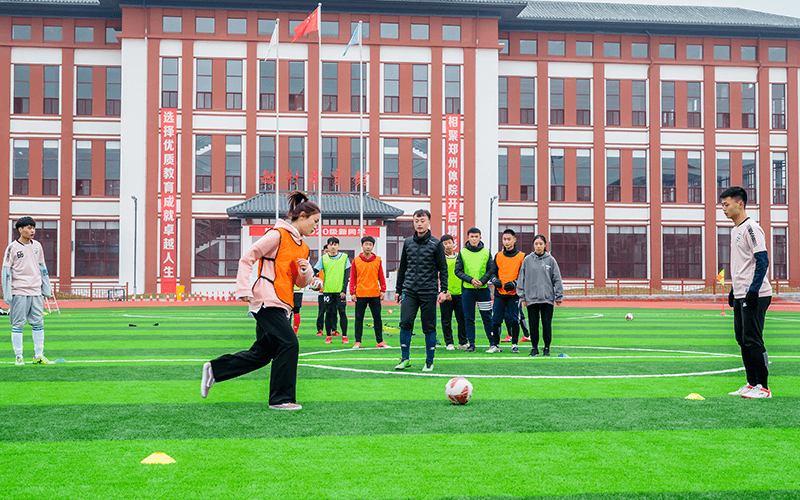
<point>629,317</point>
<point>458,390</point>
<point>316,284</point>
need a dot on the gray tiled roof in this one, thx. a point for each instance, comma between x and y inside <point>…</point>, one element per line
<point>653,14</point>
<point>334,206</point>
<point>52,2</point>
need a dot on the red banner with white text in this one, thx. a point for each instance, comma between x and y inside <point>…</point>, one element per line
<point>452,177</point>
<point>169,204</point>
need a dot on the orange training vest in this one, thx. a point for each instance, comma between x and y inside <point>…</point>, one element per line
<point>508,269</point>
<point>285,262</point>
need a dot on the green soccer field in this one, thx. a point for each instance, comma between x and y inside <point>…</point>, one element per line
<point>610,421</point>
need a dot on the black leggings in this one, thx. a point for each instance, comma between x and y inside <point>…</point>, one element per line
<point>546,312</point>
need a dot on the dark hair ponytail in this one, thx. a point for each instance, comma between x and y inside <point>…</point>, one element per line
<point>299,205</point>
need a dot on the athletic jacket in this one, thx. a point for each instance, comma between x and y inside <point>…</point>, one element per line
<point>539,280</point>
<point>423,267</point>
<point>366,277</point>
<point>505,267</point>
<point>474,262</point>
<point>24,271</point>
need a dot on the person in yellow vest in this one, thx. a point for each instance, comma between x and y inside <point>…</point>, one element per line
<point>452,302</point>
<point>335,265</point>
<point>368,287</point>
<point>282,258</point>
<point>505,271</point>
<point>473,268</point>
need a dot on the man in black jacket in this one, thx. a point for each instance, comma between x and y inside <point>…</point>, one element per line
<point>421,283</point>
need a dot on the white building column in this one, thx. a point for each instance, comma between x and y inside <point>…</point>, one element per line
<point>486,132</point>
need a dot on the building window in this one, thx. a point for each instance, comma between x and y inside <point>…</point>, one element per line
<point>47,235</point>
<point>693,101</point>
<point>204,83</point>
<point>171,24</point>
<point>233,164</point>
<point>572,246</point>
<point>391,88</point>
<point>748,53</point>
<point>419,164</point>
<point>21,166</point>
<point>639,174</point>
<point>202,164</point>
<point>585,48</point>
<point>113,91</point>
<point>502,99</point>
<point>217,247</point>
<point>49,169</point>
<point>723,105</point>
<point>358,165</point>
<point>111,34</point>
<point>53,34</point>
<point>21,32</point>
<point>297,85</point>
<point>528,47</point>
<point>297,163</point>
<point>97,248</point>
<point>452,90</point>
<point>584,175</point>
<point>390,30</point>
<point>639,50</point>
<point>266,26</point>
<point>84,34</point>
<point>51,84</point>
<point>451,33</point>
<point>667,104</point>
<point>502,173</point>
<point>666,51</point>
<point>748,105</point>
<point>639,103</point>
<point>724,249</point>
<point>83,90</point>
<point>556,47</point>
<point>527,101</point>
<point>330,170</point>
<point>358,87</point>
<point>612,175</point>
<point>778,106</point>
<point>237,26</point>
<point>420,32</point>
<point>694,177</point>
<point>266,164</point>
<point>83,168</point>
<point>749,173</point>
<point>682,248</point>
<point>169,82</point>
<point>504,43</point>
<point>527,174</point>
<point>204,25</point>
<point>777,54</point>
<point>391,166</point>
<point>627,252</point>
<point>557,175</point>
<point>723,171</point>
<point>780,260</point>
<point>612,102</point>
<point>22,89</point>
<point>233,83</point>
<point>112,168</point>
<point>266,82</point>
<point>668,177</point>
<point>525,234</point>
<point>330,86</point>
<point>396,233</point>
<point>556,101</point>
<point>330,29</point>
<point>722,52</point>
<point>779,178</point>
<point>611,49</point>
<point>694,52</point>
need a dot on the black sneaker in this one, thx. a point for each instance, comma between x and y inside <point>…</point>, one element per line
<point>515,350</point>
<point>534,352</point>
<point>546,351</point>
<point>470,348</point>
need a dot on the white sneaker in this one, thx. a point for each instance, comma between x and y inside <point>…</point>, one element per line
<point>493,349</point>
<point>757,392</point>
<point>463,347</point>
<point>19,360</point>
<point>451,347</point>
<point>286,406</point>
<point>207,380</point>
<point>741,390</point>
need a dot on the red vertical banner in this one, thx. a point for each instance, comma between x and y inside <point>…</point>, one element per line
<point>169,204</point>
<point>452,173</point>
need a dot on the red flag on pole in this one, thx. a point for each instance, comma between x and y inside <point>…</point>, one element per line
<point>311,23</point>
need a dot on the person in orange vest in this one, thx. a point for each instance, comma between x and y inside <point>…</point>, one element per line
<point>505,271</point>
<point>368,287</point>
<point>282,258</point>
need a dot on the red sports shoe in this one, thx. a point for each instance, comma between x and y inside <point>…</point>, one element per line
<point>319,333</point>
<point>507,339</point>
<point>328,339</point>
<point>381,345</point>
<point>335,333</point>
<point>525,339</point>
<point>344,340</point>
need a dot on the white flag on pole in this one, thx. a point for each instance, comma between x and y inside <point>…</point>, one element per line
<point>356,38</point>
<point>273,42</point>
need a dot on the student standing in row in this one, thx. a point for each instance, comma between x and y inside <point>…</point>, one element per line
<point>321,297</point>
<point>368,287</point>
<point>539,287</point>
<point>473,268</point>
<point>336,266</point>
<point>452,303</point>
<point>505,271</point>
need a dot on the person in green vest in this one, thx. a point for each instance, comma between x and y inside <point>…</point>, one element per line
<point>336,267</point>
<point>473,267</point>
<point>452,302</point>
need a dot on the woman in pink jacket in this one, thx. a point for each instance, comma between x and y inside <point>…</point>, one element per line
<point>282,258</point>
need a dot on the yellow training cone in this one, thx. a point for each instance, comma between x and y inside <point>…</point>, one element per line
<point>158,457</point>
<point>694,395</point>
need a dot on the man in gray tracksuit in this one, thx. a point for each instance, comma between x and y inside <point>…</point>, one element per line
<point>539,287</point>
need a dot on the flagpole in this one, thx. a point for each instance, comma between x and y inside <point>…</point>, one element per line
<point>319,124</point>
<point>277,119</point>
<point>361,126</point>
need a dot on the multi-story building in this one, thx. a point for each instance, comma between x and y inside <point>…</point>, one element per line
<point>611,129</point>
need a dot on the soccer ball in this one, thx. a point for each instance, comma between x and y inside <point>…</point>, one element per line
<point>316,284</point>
<point>629,317</point>
<point>458,390</point>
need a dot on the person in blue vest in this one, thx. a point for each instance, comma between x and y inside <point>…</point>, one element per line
<point>336,267</point>
<point>474,269</point>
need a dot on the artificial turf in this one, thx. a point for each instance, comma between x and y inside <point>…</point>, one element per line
<point>609,422</point>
